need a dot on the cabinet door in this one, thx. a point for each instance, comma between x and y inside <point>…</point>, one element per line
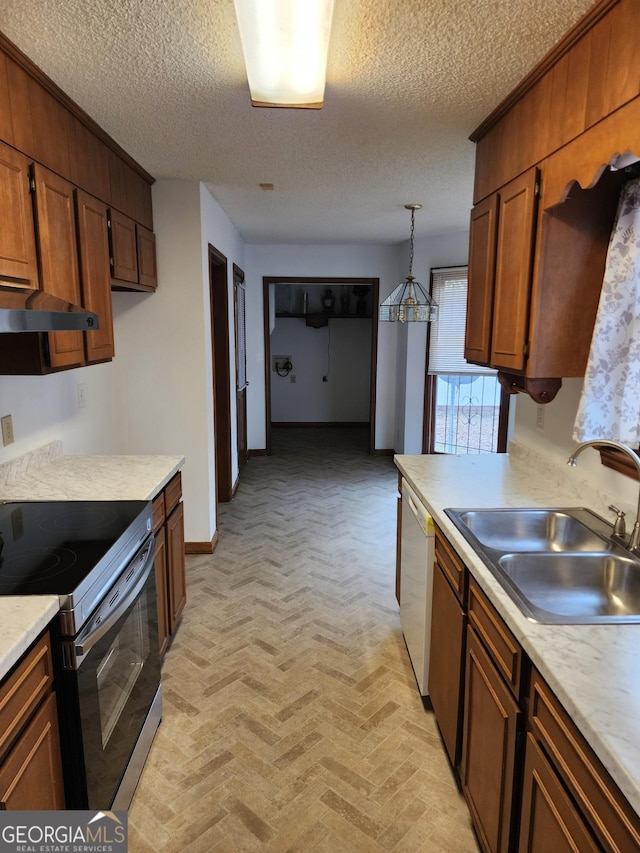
<point>162,585</point>
<point>31,775</point>
<point>17,235</point>
<point>59,258</point>
<point>446,662</point>
<point>124,256</point>
<point>482,261</point>
<point>491,722</point>
<point>549,818</point>
<point>146,241</point>
<point>514,260</point>
<point>93,250</point>
<point>175,565</point>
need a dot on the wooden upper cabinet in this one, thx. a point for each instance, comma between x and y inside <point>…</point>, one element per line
<point>514,260</point>
<point>6,127</point>
<point>501,252</point>
<point>123,246</point>
<point>146,242</point>
<point>20,108</point>
<point>93,252</point>
<point>482,261</point>
<point>52,130</point>
<point>58,258</point>
<point>90,161</point>
<point>590,74</point>
<point>18,263</point>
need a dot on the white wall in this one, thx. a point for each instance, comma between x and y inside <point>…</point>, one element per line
<point>45,408</point>
<point>554,441</point>
<point>341,351</point>
<point>163,341</point>
<point>316,262</point>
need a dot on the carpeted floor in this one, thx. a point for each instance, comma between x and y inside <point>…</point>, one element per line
<point>292,721</point>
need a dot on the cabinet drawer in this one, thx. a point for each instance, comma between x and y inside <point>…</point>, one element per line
<point>172,493</point>
<point>23,690</point>
<point>158,511</point>
<point>497,638</point>
<point>450,564</point>
<point>612,819</point>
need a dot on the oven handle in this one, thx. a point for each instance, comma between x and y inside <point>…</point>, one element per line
<point>93,633</point>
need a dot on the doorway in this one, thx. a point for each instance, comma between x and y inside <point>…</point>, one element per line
<point>320,317</point>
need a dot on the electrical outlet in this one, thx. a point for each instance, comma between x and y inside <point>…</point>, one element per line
<point>540,418</point>
<point>7,430</point>
<point>82,395</point>
<point>292,378</point>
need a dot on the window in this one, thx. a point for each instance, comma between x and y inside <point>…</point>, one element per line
<point>465,409</point>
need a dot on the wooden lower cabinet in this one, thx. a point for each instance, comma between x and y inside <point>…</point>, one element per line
<point>446,662</point>
<point>30,760</point>
<point>162,589</point>
<point>175,565</point>
<point>550,821</point>
<point>531,780</point>
<point>171,587</point>
<point>31,776</point>
<point>492,720</point>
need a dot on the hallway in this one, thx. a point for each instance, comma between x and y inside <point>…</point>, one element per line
<point>292,720</point>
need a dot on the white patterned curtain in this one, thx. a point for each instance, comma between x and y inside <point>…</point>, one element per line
<point>610,402</point>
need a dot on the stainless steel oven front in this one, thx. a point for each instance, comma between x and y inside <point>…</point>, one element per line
<point>109,694</point>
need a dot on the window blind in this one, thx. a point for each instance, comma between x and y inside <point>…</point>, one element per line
<point>446,335</point>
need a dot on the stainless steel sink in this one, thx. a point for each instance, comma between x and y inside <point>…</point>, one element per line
<point>532,530</point>
<point>575,587</point>
<point>558,565</point>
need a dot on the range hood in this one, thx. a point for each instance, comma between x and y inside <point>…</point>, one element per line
<point>28,310</point>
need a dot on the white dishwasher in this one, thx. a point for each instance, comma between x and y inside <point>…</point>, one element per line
<point>416,582</point>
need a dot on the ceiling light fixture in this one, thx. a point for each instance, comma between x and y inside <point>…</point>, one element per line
<point>285,45</point>
<point>409,302</point>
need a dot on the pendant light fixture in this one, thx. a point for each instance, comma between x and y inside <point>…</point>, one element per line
<point>409,302</point>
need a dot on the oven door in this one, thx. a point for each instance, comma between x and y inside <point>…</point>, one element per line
<point>111,680</point>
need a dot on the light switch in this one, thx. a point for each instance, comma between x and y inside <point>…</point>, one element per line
<point>7,430</point>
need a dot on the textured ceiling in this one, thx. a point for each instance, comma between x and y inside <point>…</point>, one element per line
<point>408,80</point>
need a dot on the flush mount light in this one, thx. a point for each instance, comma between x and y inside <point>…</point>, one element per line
<point>409,302</point>
<point>285,44</point>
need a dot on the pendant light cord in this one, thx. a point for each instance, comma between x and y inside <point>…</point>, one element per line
<point>413,214</point>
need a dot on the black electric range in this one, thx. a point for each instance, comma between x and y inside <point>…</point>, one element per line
<point>72,549</point>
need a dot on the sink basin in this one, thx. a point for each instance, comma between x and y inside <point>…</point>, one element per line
<point>531,530</point>
<point>583,587</point>
<point>558,565</point>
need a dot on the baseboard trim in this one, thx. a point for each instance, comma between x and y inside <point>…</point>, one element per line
<point>260,451</point>
<point>202,547</point>
<point>287,424</point>
<point>383,452</point>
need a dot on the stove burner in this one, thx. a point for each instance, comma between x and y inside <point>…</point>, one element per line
<point>50,547</point>
<point>67,519</point>
<point>44,564</point>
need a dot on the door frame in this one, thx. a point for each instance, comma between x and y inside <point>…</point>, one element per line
<point>219,308</point>
<point>241,393</point>
<point>374,283</point>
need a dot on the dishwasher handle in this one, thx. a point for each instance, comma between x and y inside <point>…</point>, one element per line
<point>420,512</point>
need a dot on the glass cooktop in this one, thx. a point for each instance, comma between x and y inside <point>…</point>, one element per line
<point>50,547</point>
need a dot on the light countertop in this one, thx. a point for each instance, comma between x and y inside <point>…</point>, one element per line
<point>594,670</point>
<point>51,476</point>
<point>22,619</point>
<point>97,478</point>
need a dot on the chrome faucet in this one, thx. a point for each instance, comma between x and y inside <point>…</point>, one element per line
<point>634,540</point>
